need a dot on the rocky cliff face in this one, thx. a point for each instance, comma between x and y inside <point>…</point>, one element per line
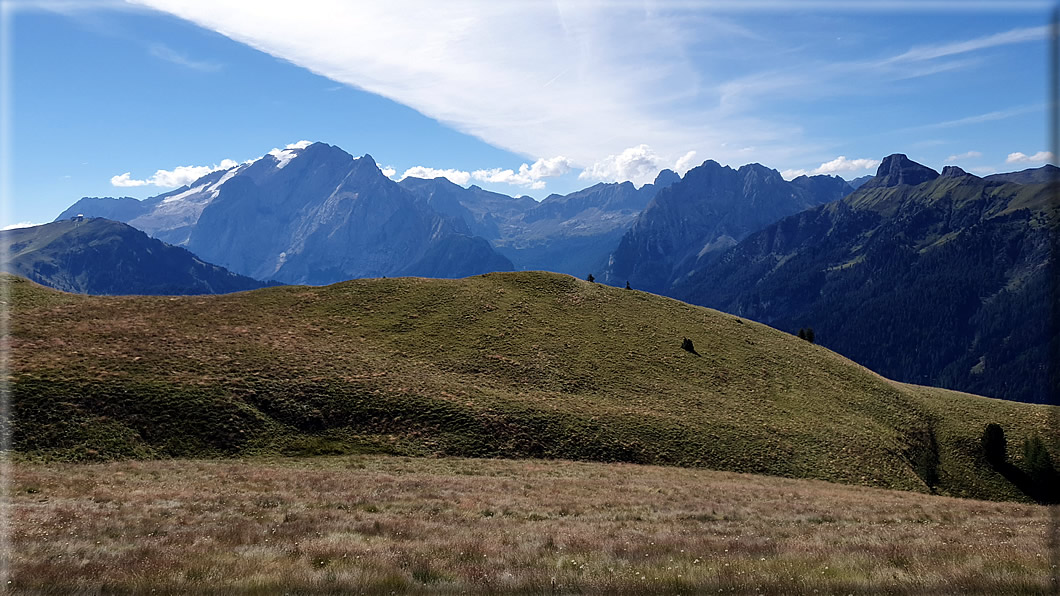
<point>313,215</point>
<point>898,169</point>
<point>942,283</point>
<point>570,233</point>
<point>711,209</point>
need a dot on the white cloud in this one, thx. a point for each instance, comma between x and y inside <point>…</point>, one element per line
<point>528,175</point>
<point>181,175</point>
<point>842,164</point>
<point>285,155</point>
<point>963,156</point>
<point>979,43</point>
<point>687,162</point>
<point>21,224</point>
<point>587,79</point>
<point>178,176</point>
<point>639,164</point>
<point>834,167</point>
<point>125,180</point>
<point>455,176</point>
<point>578,79</point>
<point>1039,157</point>
<point>389,171</point>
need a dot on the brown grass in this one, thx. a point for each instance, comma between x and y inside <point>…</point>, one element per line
<point>383,524</point>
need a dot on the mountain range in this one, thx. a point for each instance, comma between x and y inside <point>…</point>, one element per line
<point>925,277</point>
<point>314,215</point>
<point>941,279</point>
<point>100,256</point>
<point>710,209</point>
<point>317,215</point>
<point>570,234</point>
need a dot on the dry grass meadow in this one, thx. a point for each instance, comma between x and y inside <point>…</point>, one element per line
<point>376,524</point>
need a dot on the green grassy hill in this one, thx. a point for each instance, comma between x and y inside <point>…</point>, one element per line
<point>501,365</point>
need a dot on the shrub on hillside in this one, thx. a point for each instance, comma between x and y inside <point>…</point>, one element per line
<point>994,444</point>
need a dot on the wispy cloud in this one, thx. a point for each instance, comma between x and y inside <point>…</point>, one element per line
<point>820,78</point>
<point>1012,36</point>
<point>538,78</point>
<point>979,118</point>
<point>168,54</point>
<point>963,156</point>
<point>587,80</point>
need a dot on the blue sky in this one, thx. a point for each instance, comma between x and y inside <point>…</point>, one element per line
<point>108,98</point>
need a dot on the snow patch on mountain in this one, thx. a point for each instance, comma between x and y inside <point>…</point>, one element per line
<point>289,152</point>
<point>215,189</point>
<point>185,194</point>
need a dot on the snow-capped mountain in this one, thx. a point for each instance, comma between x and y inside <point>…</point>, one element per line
<point>306,214</point>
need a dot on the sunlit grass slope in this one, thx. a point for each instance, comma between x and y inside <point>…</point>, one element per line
<point>376,524</point>
<point>501,365</point>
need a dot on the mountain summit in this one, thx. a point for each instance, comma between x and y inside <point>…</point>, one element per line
<point>943,283</point>
<point>898,169</point>
<point>312,215</point>
<point>712,208</point>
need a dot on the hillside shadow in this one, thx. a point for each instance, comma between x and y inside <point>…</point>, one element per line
<point>1044,487</point>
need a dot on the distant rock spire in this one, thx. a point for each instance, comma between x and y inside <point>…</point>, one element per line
<point>954,172</point>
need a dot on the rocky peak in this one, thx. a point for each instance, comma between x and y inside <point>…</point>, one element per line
<point>954,172</point>
<point>665,178</point>
<point>898,169</point>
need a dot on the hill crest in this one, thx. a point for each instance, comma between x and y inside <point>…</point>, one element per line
<point>500,365</point>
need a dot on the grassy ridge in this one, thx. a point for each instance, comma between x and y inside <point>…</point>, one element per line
<point>511,365</point>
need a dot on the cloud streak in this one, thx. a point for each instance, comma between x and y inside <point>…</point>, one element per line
<point>168,54</point>
<point>540,79</point>
<point>979,118</point>
<point>1012,36</point>
<point>584,80</point>
<point>821,79</point>
<point>963,156</point>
